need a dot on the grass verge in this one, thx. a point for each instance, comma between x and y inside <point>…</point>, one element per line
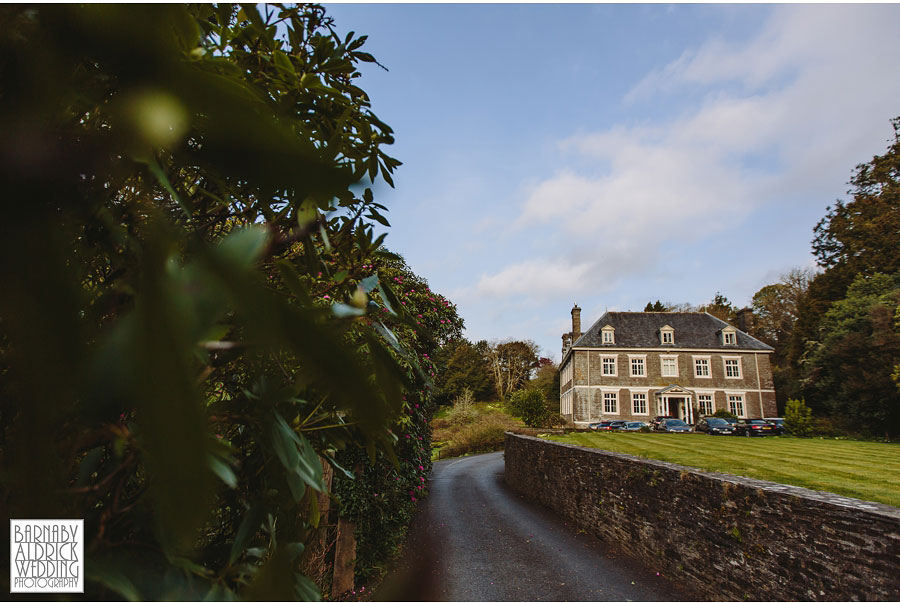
<point>865,470</point>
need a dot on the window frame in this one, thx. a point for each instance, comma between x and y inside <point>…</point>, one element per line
<point>729,333</point>
<point>708,360</point>
<point>740,367</point>
<point>643,364</point>
<point>615,398</point>
<point>646,395</point>
<point>740,398</point>
<point>608,335</point>
<point>662,364</point>
<point>712,403</point>
<point>663,332</point>
<point>615,365</point>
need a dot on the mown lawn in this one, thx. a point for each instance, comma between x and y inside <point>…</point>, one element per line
<point>866,470</point>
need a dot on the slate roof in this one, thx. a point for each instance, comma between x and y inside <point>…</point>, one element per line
<point>641,330</point>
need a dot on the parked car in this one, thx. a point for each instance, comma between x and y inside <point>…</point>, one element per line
<point>617,425</point>
<point>601,426</point>
<point>656,423</point>
<point>753,427</point>
<point>634,426</point>
<point>778,422</point>
<point>714,426</point>
<point>674,426</point>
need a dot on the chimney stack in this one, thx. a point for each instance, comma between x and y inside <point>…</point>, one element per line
<point>567,343</point>
<point>576,323</point>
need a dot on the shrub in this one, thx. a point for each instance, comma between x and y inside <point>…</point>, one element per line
<point>484,435</point>
<point>463,410</point>
<point>529,405</point>
<point>723,414</point>
<point>554,419</point>
<point>798,419</point>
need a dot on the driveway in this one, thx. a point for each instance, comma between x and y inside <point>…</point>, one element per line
<point>474,539</point>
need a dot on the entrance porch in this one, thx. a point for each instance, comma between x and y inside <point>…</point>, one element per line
<point>675,401</point>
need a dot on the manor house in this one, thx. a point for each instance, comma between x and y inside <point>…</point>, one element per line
<point>639,365</point>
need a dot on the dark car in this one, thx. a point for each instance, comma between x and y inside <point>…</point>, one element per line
<point>617,425</point>
<point>714,426</point>
<point>778,422</point>
<point>674,426</point>
<point>634,426</point>
<point>601,426</point>
<point>753,427</point>
<point>657,422</point>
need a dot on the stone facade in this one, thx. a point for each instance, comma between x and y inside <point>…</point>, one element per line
<point>694,375</point>
<point>730,538</point>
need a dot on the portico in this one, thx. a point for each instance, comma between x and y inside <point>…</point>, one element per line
<point>675,401</point>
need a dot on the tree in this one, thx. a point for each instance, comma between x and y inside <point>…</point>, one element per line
<point>546,380</point>
<point>720,307</point>
<point>512,363</point>
<point>655,307</point>
<point>847,369</point>
<point>192,321</point>
<point>776,309</point>
<point>462,365</point>
<point>863,233</point>
<point>855,237</point>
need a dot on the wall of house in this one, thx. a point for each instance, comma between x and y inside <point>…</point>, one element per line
<point>589,381</point>
<point>732,538</point>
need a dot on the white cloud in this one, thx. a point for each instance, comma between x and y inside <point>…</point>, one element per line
<point>540,278</point>
<point>783,118</point>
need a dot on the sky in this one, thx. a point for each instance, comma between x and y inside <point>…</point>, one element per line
<point>609,155</point>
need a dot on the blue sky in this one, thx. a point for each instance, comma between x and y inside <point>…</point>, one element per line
<point>611,155</point>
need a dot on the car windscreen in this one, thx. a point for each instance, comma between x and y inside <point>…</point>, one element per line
<point>717,422</point>
<point>675,423</point>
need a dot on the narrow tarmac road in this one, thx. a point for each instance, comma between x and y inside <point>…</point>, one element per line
<point>474,539</point>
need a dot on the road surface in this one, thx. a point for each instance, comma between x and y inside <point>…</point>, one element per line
<point>474,539</point>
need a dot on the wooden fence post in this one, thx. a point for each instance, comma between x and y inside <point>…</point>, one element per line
<point>344,558</point>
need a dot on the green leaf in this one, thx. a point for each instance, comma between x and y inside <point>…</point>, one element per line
<point>377,216</point>
<point>292,282</point>
<point>343,310</point>
<point>282,61</point>
<point>249,525</point>
<point>305,589</point>
<point>368,284</point>
<point>222,470</point>
<point>243,247</point>
<point>387,296</point>
<point>113,579</point>
<point>314,511</point>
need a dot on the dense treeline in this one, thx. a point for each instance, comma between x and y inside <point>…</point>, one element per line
<point>197,314</point>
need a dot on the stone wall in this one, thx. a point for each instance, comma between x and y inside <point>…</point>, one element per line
<point>732,538</point>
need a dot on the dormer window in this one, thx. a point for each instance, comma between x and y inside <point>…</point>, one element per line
<point>729,336</point>
<point>667,335</point>
<point>608,335</point>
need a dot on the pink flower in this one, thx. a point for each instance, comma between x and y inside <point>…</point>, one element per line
<point>326,297</point>
<point>421,468</point>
